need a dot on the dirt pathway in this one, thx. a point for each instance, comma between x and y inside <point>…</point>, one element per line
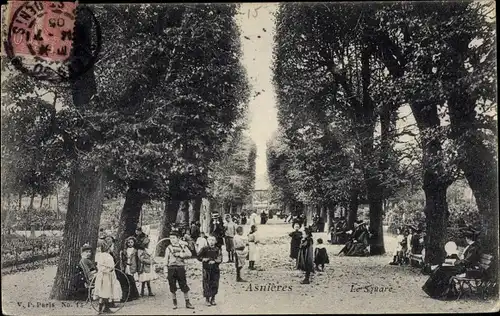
<point>393,289</point>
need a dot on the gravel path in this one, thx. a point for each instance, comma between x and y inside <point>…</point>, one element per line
<point>394,289</point>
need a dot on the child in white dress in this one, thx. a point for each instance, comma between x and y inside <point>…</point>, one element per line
<point>107,288</point>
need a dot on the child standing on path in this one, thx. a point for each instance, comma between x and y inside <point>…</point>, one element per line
<point>211,256</point>
<point>107,288</point>
<point>305,258</point>
<point>147,273</point>
<point>241,251</point>
<point>175,256</point>
<point>253,247</point>
<point>320,255</point>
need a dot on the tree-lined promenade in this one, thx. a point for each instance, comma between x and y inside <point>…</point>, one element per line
<point>160,117</point>
<point>161,120</point>
<point>342,73</point>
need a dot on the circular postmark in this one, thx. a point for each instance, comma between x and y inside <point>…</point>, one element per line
<point>52,41</point>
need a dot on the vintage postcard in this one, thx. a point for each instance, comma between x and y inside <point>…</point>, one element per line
<point>249,158</point>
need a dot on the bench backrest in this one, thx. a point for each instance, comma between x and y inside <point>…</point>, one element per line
<point>485,261</point>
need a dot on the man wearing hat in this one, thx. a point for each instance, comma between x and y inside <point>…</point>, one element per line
<point>438,285</point>
<point>142,238</point>
<point>175,260</point>
<point>86,271</point>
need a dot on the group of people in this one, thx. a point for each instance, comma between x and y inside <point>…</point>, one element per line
<point>239,249</point>
<point>306,258</point>
<point>113,277</point>
<point>410,240</point>
<point>438,285</point>
<point>357,240</point>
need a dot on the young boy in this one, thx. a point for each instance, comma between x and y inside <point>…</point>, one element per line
<point>175,257</point>
<point>241,251</point>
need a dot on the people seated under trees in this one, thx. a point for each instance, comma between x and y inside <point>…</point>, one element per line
<point>438,285</point>
<point>338,232</point>
<point>401,252</point>
<point>357,245</point>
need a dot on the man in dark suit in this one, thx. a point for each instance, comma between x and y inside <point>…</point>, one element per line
<point>438,284</point>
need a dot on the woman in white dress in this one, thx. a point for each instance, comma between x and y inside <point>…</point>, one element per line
<point>107,288</point>
<point>253,247</point>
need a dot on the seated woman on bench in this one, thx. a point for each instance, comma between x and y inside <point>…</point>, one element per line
<point>357,245</point>
<point>438,285</point>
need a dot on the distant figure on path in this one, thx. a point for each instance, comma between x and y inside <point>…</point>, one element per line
<point>253,219</point>
<point>230,232</point>
<point>305,260</point>
<point>263,218</point>
<point>296,236</point>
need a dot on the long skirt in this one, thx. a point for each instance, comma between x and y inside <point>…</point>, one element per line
<point>107,286</point>
<point>253,252</point>
<point>356,249</point>
<point>305,259</point>
<point>128,288</point>
<point>211,276</point>
<point>438,285</point>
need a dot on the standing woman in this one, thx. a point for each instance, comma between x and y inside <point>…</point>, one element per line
<point>253,247</point>
<point>305,261</point>
<point>296,236</point>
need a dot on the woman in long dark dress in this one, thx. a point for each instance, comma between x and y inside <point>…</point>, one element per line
<point>305,260</point>
<point>438,285</point>
<point>296,236</point>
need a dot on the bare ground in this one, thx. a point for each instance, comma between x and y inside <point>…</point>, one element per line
<point>331,291</point>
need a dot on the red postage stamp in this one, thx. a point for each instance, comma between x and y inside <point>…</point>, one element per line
<point>42,29</point>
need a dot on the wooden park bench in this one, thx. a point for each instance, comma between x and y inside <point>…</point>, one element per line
<point>478,282</point>
<point>417,260</point>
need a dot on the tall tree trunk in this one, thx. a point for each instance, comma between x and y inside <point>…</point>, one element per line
<point>41,202</point>
<point>20,201</point>
<point>478,162</point>
<point>129,217</point>
<point>169,218</point>
<point>197,202</point>
<point>86,184</point>
<point>82,226</point>
<point>352,213</point>
<point>436,182</point>
<point>371,172</point>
